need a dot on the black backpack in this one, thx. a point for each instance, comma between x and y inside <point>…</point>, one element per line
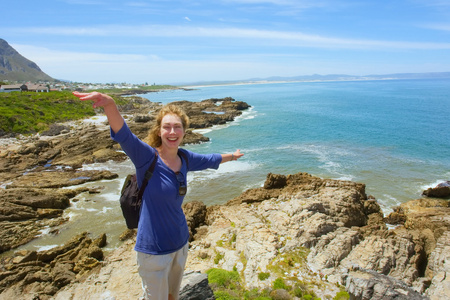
<point>131,195</point>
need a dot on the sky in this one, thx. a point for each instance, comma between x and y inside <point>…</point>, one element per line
<point>187,41</point>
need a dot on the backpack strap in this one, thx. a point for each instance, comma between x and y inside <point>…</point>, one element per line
<point>149,172</point>
<point>182,154</point>
<point>148,175</point>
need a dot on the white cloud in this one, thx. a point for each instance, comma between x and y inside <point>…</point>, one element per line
<point>187,19</point>
<point>290,38</point>
<point>443,26</point>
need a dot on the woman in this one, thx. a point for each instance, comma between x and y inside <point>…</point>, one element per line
<point>162,237</point>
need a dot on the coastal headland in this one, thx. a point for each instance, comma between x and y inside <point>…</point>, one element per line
<point>297,235</point>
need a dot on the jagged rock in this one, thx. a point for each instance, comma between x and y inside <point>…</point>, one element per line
<point>42,274</point>
<point>23,212</point>
<point>368,284</point>
<point>195,287</point>
<point>118,279</point>
<point>442,190</point>
<point>319,234</point>
<point>275,181</point>
<point>56,129</point>
<point>195,212</point>
<point>313,229</point>
<point>438,269</point>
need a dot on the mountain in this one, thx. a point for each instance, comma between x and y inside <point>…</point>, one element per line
<point>15,67</point>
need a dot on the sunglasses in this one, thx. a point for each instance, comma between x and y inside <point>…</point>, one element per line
<point>183,188</point>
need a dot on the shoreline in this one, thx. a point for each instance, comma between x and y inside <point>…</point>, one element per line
<point>292,81</point>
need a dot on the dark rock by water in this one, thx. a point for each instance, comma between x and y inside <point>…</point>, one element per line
<point>442,190</point>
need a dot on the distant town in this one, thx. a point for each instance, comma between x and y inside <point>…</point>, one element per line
<point>45,87</point>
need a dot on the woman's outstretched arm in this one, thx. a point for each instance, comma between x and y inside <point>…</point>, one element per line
<point>115,119</point>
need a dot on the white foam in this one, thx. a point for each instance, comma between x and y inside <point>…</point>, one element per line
<point>44,231</point>
<point>432,185</point>
<point>225,169</point>
<point>100,120</point>
<point>113,196</point>
<point>46,247</point>
<point>105,210</point>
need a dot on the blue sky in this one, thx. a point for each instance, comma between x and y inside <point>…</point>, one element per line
<point>170,42</point>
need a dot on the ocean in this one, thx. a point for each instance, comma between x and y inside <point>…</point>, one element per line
<point>392,135</point>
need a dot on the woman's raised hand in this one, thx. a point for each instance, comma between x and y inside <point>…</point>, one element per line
<point>100,100</point>
<point>237,154</point>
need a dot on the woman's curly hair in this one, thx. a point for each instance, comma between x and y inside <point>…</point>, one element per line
<point>153,138</point>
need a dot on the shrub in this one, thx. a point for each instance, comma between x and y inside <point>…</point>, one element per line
<point>342,295</point>
<point>279,284</point>
<point>223,278</point>
<point>263,276</point>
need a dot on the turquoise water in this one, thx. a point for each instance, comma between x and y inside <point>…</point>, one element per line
<point>392,135</point>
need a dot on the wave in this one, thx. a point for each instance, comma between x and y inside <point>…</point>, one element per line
<point>224,170</point>
<point>435,183</point>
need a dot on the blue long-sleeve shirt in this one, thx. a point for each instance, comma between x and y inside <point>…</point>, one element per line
<point>162,225</point>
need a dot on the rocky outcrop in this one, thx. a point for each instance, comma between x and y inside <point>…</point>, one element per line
<point>320,236</point>
<point>26,211</point>
<point>40,275</point>
<point>210,112</point>
<point>442,190</point>
<point>326,233</point>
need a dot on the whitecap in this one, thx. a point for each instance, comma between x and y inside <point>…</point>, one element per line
<point>225,169</point>
<point>432,185</point>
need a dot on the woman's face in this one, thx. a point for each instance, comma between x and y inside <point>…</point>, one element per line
<point>172,131</point>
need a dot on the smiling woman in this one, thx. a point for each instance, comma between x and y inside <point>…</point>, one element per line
<point>163,234</point>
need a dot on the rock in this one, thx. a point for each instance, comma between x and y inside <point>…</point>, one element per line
<point>118,279</point>
<point>280,294</point>
<point>319,235</point>
<point>438,269</point>
<point>25,211</point>
<point>211,112</point>
<point>142,118</point>
<point>41,274</point>
<point>274,181</point>
<point>195,287</point>
<point>312,230</point>
<point>442,190</point>
<point>56,129</point>
<point>195,212</point>
<point>368,284</point>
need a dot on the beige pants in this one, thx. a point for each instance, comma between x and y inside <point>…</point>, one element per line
<point>162,274</point>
